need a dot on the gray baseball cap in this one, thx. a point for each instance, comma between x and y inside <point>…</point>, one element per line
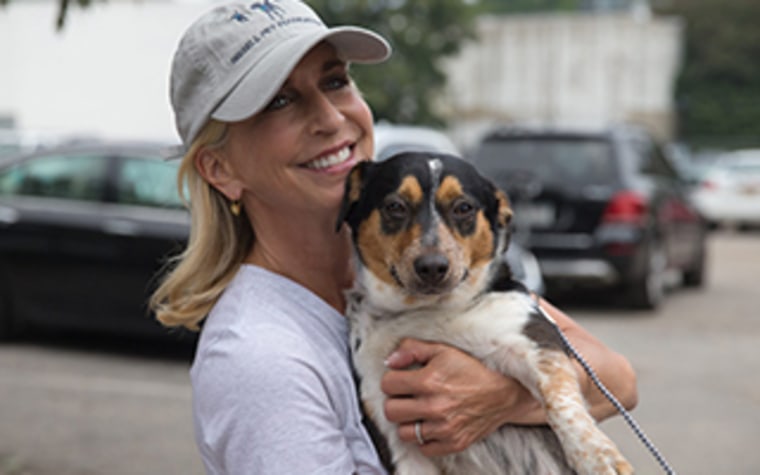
<point>232,61</point>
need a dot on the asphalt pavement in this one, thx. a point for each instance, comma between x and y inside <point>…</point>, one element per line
<point>73,405</point>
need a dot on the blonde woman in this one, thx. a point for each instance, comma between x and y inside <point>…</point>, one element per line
<point>272,124</point>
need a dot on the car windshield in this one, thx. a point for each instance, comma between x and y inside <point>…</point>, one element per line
<point>573,162</point>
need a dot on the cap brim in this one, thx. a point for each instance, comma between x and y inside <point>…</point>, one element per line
<point>259,85</point>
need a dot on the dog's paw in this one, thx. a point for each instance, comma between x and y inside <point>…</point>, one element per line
<point>602,459</point>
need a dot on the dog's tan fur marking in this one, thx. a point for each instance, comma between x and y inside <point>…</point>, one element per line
<point>382,251</point>
<point>478,247</point>
<point>481,243</point>
<point>411,190</point>
<point>449,190</point>
<point>505,210</point>
<point>355,185</point>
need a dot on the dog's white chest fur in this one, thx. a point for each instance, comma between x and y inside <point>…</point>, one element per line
<point>494,323</point>
<point>492,330</point>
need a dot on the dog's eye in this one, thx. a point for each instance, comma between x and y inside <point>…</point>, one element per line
<point>395,208</point>
<point>463,209</point>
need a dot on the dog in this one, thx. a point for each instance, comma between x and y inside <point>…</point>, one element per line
<point>429,233</point>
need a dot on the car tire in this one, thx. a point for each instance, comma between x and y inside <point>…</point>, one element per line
<point>648,291</point>
<point>694,276</point>
<point>8,326</point>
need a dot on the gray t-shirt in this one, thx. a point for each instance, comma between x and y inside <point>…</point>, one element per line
<point>273,391</point>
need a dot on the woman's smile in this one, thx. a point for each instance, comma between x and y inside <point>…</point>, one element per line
<point>330,159</point>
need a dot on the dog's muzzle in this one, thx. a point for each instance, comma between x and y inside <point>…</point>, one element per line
<point>431,269</point>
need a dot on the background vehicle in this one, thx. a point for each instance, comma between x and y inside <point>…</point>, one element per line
<point>605,209</point>
<point>83,232</point>
<point>391,139</point>
<point>729,190</point>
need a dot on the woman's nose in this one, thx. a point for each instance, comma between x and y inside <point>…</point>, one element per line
<point>326,116</point>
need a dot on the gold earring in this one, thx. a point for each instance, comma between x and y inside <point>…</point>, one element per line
<point>235,208</point>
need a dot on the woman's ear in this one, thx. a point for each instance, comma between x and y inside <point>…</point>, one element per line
<point>216,170</point>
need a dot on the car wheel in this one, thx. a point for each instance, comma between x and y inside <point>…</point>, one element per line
<point>694,276</point>
<point>8,326</point>
<point>648,291</point>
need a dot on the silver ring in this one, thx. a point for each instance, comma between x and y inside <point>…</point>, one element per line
<point>418,432</point>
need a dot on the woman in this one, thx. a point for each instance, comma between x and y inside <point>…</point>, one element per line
<point>272,124</point>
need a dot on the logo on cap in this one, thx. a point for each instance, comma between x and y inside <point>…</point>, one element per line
<point>239,17</point>
<point>273,11</point>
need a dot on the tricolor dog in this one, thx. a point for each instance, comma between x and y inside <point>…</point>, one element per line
<point>428,232</point>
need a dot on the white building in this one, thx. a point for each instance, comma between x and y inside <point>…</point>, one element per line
<point>581,70</point>
<point>107,72</point>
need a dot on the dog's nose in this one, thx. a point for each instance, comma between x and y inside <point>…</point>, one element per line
<point>431,268</point>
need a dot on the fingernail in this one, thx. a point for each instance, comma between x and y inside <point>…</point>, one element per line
<point>392,359</point>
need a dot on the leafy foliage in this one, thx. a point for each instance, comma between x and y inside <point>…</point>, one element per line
<point>718,91</point>
<point>518,6</point>
<point>421,32</point>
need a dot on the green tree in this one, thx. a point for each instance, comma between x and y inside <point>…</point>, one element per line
<point>520,6</point>
<point>63,9</point>
<point>422,33</point>
<point>718,90</point>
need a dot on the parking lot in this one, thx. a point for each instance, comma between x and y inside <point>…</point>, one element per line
<point>82,406</point>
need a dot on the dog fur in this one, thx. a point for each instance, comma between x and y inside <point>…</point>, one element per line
<point>429,233</point>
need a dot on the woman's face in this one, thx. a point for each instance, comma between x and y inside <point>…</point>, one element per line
<point>295,154</point>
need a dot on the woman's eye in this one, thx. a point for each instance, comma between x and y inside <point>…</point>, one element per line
<point>278,102</point>
<point>337,82</point>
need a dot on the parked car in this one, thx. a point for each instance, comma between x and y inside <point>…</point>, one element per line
<point>15,141</point>
<point>604,209</point>
<point>84,230</point>
<point>391,139</point>
<point>729,190</point>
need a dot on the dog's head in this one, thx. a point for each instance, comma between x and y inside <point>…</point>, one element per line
<point>426,228</point>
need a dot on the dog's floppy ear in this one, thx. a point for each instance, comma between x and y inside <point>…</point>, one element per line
<point>503,218</point>
<point>504,210</point>
<point>354,182</point>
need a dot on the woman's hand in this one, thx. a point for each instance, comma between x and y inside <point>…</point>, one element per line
<point>459,401</point>
<point>456,398</point>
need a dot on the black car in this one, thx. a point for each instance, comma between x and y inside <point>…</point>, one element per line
<point>604,209</point>
<point>84,230</point>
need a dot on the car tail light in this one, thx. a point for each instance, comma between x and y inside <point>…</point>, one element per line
<point>626,207</point>
<point>709,185</point>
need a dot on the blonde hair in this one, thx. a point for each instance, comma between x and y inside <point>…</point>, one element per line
<point>217,244</point>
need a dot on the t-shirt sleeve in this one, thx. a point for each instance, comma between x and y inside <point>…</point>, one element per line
<point>268,412</point>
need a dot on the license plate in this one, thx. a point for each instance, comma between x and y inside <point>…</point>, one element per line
<point>535,215</point>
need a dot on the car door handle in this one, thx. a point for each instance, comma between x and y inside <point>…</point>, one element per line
<point>121,227</point>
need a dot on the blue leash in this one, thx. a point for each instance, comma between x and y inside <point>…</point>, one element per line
<point>606,392</point>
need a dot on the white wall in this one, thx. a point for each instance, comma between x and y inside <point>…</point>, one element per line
<point>106,73</point>
<point>580,70</point>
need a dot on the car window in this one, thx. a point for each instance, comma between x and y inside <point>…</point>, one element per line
<point>560,161</point>
<point>77,177</point>
<point>148,182</point>
<point>652,161</point>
